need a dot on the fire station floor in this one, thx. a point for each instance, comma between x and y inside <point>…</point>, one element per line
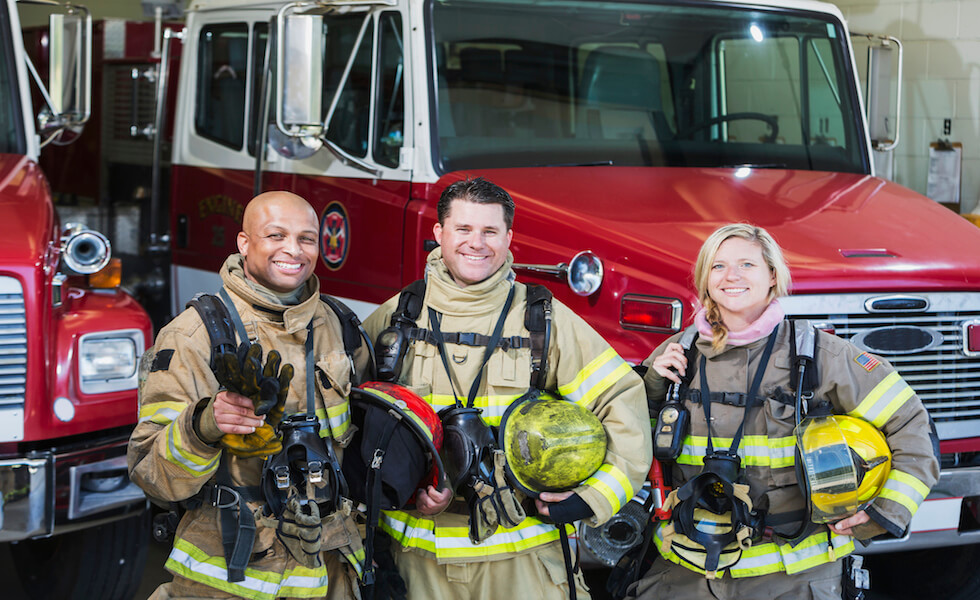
<point>154,575</point>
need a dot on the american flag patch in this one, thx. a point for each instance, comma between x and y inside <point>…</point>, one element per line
<point>867,361</point>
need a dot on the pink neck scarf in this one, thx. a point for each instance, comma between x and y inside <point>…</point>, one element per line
<point>759,329</point>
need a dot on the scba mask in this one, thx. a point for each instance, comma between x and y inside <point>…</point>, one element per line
<point>306,464</point>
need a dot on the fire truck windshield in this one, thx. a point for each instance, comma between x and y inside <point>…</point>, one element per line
<point>11,128</point>
<point>642,84</point>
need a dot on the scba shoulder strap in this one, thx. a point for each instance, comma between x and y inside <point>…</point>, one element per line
<point>353,334</point>
<point>392,343</point>
<point>219,323</point>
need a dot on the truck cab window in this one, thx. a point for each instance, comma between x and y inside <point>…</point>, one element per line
<point>389,128</point>
<point>348,125</point>
<point>260,39</point>
<point>221,85</point>
<point>640,84</point>
<point>11,134</point>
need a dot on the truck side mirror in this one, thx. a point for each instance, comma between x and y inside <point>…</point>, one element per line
<point>884,116</point>
<point>69,74</point>
<point>299,55</point>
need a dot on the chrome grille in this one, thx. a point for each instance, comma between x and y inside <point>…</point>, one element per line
<point>13,359</point>
<point>944,377</point>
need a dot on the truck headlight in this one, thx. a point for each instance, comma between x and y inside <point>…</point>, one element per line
<point>107,360</point>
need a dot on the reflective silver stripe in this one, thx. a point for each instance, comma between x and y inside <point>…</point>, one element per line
<point>613,484</point>
<point>592,376</point>
<point>454,542</point>
<point>882,402</point>
<point>215,574</point>
<point>191,463</point>
<point>501,538</point>
<point>904,489</point>
<point>161,416</point>
<point>307,585</point>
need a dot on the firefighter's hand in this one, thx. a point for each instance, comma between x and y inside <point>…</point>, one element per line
<point>245,434</point>
<point>545,499</point>
<point>234,413</point>
<point>431,501</point>
<point>846,526</point>
<point>672,364</point>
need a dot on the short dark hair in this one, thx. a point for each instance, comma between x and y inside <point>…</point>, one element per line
<point>477,190</point>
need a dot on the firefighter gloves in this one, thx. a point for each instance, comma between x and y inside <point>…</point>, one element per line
<point>300,531</point>
<point>493,504</point>
<point>242,372</point>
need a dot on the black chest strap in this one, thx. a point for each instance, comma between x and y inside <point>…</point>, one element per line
<point>537,320</point>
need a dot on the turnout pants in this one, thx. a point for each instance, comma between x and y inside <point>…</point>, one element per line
<point>538,574</point>
<point>669,580</point>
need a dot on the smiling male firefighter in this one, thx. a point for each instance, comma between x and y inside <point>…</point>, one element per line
<point>243,411</point>
<point>474,343</point>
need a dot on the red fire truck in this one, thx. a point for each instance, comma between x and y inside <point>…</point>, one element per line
<point>69,345</point>
<point>626,132</point>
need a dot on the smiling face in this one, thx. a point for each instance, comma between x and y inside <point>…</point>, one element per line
<point>279,241</point>
<point>474,239</point>
<point>739,282</point>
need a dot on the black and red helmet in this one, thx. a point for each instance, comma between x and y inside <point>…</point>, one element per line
<point>395,421</point>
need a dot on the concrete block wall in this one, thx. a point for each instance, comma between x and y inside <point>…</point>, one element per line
<point>941,81</point>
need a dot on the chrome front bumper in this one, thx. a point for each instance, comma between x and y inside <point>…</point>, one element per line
<point>27,494</point>
<point>938,522</point>
<point>26,498</point>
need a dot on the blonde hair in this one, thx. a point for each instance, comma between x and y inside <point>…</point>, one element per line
<point>771,253</point>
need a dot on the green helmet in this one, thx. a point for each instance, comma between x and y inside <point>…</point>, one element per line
<point>551,445</point>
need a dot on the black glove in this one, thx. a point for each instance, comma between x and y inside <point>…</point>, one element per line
<point>242,372</point>
<point>388,582</point>
<point>569,510</point>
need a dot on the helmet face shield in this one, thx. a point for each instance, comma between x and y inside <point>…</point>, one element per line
<point>844,462</point>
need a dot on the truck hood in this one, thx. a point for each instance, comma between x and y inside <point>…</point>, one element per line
<point>26,209</point>
<point>838,231</point>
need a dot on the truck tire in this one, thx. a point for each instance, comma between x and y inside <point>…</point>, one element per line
<point>103,562</point>
<point>951,573</point>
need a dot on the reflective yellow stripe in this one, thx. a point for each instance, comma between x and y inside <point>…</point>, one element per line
<point>597,376</point>
<point>339,416</point>
<point>334,420</point>
<point>771,557</point>
<point>357,561</point>
<point>882,402</point>
<point>193,464</point>
<point>904,489</point>
<point>613,484</point>
<point>193,563</point>
<point>755,450</point>
<point>301,582</point>
<point>454,542</point>
<point>161,413</point>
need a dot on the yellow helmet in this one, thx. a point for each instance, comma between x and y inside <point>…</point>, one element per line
<point>550,444</point>
<point>843,464</point>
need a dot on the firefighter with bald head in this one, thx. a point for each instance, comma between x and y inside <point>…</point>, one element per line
<point>468,348</point>
<point>231,392</point>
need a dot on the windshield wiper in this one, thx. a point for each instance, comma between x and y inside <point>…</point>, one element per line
<point>599,163</point>
<point>753,166</point>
